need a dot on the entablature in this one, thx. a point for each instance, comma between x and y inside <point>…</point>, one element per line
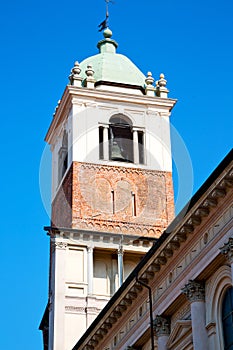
<point>100,240</point>
<point>80,96</point>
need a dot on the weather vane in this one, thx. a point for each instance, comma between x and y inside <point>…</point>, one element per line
<point>103,25</point>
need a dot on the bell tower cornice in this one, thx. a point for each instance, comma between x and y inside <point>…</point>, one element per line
<point>74,95</point>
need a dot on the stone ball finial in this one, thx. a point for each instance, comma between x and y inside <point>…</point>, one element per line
<point>89,72</point>
<point>107,33</point>
<point>162,82</point>
<point>149,79</point>
<point>74,77</point>
<point>76,69</point>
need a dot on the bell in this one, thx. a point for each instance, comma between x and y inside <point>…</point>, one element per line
<point>116,153</point>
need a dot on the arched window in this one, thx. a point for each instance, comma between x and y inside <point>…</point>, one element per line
<point>121,139</point>
<point>63,157</point>
<point>227,319</point>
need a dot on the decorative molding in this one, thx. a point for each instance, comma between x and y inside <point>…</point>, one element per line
<point>211,329</point>
<point>79,310</point>
<point>58,245</point>
<point>183,313</point>
<point>162,326</point>
<point>120,227</point>
<point>194,291</point>
<point>122,170</point>
<point>227,250</point>
<point>180,334</point>
<point>95,310</point>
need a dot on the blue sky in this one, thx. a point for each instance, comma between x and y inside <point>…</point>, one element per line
<point>189,41</point>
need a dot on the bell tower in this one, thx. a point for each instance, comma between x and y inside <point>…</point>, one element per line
<point>112,192</point>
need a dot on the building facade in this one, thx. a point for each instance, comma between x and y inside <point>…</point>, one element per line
<point>112,192</point>
<point>180,296</point>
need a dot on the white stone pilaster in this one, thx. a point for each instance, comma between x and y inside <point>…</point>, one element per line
<point>105,143</point>
<point>135,146</point>
<point>195,293</point>
<point>57,340</point>
<point>90,270</point>
<point>120,265</point>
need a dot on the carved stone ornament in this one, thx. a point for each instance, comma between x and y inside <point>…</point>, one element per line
<point>162,326</point>
<point>227,250</point>
<point>194,291</point>
<point>60,245</point>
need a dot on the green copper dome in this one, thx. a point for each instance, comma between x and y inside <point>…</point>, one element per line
<point>109,66</point>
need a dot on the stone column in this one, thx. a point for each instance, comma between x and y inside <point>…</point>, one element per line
<point>227,250</point>
<point>135,147</point>
<point>90,270</point>
<point>195,292</point>
<point>105,143</point>
<point>162,330</point>
<point>120,265</point>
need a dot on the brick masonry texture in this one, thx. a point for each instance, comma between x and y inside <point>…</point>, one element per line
<point>114,199</point>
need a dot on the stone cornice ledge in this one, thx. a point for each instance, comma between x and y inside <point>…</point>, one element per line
<point>83,93</point>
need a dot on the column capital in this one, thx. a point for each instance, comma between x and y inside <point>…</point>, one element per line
<point>137,128</point>
<point>227,250</point>
<point>161,325</point>
<point>120,250</point>
<point>59,245</point>
<point>90,248</point>
<point>104,125</point>
<point>194,291</point>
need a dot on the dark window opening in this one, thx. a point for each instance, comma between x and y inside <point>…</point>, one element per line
<point>65,163</point>
<point>63,157</point>
<point>121,143</point>
<point>101,140</point>
<point>133,204</point>
<point>113,201</point>
<point>120,138</point>
<point>141,147</point>
<point>227,319</point>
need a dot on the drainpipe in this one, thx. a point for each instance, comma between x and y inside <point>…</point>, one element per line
<point>151,311</point>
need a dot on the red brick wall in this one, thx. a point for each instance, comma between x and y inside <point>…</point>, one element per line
<point>92,199</point>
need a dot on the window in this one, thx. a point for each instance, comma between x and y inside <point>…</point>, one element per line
<point>63,157</point>
<point>227,319</point>
<point>101,140</point>
<point>141,146</point>
<point>120,141</point>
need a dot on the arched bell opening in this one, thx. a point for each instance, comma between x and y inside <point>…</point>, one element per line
<point>120,139</point>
